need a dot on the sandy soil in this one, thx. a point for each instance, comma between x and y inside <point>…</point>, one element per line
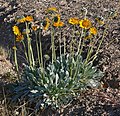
<point>109,57</point>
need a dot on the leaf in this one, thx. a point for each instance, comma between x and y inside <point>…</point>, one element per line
<point>56,79</point>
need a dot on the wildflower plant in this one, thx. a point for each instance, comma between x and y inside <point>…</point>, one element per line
<point>62,79</point>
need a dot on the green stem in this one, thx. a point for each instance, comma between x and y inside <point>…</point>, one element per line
<point>97,51</point>
<point>60,43</point>
<point>28,43</point>
<point>53,45</point>
<point>64,46</point>
<point>30,51</point>
<point>33,61</point>
<point>79,45</point>
<point>16,62</point>
<point>73,40</point>
<point>88,55</point>
<point>25,51</point>
<point>77,65</point>
<point>90,49</point>
<point>72,51</point>
<point>38,52</point>
<point>90,52</point>
<point>71,48</point>
<point>80,52</point>
<point>15,58</point>
<point>41,56</point>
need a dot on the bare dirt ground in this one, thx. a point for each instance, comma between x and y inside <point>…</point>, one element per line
<point>93,103</point>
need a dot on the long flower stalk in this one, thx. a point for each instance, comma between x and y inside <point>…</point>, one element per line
<point>82,44</point>
<point>28,44</point>
<point>97,51</point>
<point>60,43</point>
<point>26,55</point>
<point>40,49</point>
<point>16,62</point>
<point>38,52</point>
<point>64,46</point>
<point>53,45</point>
<point>78,53</point>
<point>72,50</point>
<point>30,51</point>
<point>79,45</point>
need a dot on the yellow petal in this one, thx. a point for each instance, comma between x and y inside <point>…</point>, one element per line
<point>61,24</point>
<point>46,24</point>
<point>85,23</point>
<point>21,20</point>
<point>16,30</point>
<point>34,28</point>
<point>93,30</point>
<point>52,9</point>
<point>29,18</point>
<point>74,21</point>
<point>19,38</point>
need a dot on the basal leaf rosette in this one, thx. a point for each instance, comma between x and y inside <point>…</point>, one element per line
<point>64,79</point>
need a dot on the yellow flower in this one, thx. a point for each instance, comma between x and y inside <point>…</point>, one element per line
<point>52,9</point>
<point>29,18</point>
<point>24,19</point>
<point>58,24</point>
<point>85,23</point>
<point>56,18</point>
<point>35,27</point>
<point>61,24</point>
<point>93,30</point>
<point>46,24</point>
<point>16,30</point>
<point>100,21</point>
<point>21,20</point>
<point>19,38</point>
<point>74,21</point>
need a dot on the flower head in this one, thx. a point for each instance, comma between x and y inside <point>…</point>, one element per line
<point>19,38</point>
<point>93,30</point>
<point>46,24</point>
<point>56,18</point>
<point>100,20</point>
<point>74,21</point>
<point>35,27</point>
<point>29,18</point>
<point>21,20</point>
<point>24,19</point>
<point>85,23</point>
<point>16,30</point>
<point>52,9</point>
<point>59,24</point>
